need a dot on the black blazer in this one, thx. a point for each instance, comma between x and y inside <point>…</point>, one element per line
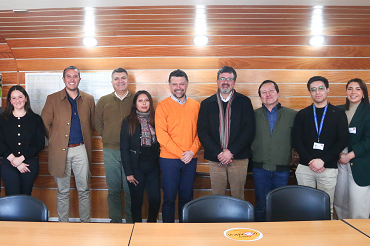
<point>130,148</point>
<point>359,143</point>
<point>242,127</point>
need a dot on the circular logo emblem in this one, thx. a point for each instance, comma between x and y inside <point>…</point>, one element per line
<point>243,234</point>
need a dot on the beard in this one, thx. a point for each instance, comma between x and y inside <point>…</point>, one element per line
<point>181,95</point>
<point>225,90</point>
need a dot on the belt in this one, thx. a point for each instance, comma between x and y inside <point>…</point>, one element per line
<point>75,145</point>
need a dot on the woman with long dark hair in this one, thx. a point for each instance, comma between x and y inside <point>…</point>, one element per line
<point>140,156</point>
<point>21,139</point>
<point>352,192</point>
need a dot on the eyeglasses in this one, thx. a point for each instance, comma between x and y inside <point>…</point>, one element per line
<point>226,79</point>
<point>320,88</point>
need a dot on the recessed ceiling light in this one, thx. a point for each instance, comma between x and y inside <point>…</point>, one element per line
<point>90,41</point>
<point>317,40</point>
<point>200,40</point>
<point>20,11</point>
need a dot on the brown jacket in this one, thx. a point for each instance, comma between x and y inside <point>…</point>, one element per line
<point>56,115</point>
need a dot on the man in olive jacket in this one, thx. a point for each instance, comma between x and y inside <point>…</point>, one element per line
<point>68,117</point>
<point>111,109</point>
<point>271,147</point>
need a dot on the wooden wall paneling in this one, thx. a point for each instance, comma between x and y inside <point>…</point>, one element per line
<point>8,65</point>
<point>256,31</point>
<point>196,63</point>
<point>186,40</point>
<point>6,55</point>
<point>9,78</point>
<point>97,143</point>
<point>193,51</point>
<point>170,20</point>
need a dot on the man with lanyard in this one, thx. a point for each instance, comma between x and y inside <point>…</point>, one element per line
<point>226,128</point>
<point>271,147</point>
<point>319,135</point>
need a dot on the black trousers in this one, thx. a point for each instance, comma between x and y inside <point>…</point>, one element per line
<point>16,182</point>
<point>148,179</point>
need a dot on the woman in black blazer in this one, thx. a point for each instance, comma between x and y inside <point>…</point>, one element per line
<point>352,192</point>
<point>21,139</point>
<point>140,156</point>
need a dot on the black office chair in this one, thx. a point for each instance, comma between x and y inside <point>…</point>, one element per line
<point>214,208</point>
<point>297,203</point>
<point>22,208</point>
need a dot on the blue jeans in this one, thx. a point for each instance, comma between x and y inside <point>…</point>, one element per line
<point>177,177</point>
<point>264,182</point>
<point>116,179</point>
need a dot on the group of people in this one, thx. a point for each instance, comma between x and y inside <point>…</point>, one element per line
<point>139,142</point>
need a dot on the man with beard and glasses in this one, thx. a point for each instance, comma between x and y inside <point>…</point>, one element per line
<point>226,128</point>
<point>176,127</point>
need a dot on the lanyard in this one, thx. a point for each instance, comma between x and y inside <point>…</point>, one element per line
<point>318,130</point>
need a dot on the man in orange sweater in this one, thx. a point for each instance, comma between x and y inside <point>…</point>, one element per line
<point>176,127</point>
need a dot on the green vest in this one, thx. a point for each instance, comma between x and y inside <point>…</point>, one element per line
<point>273,151</point>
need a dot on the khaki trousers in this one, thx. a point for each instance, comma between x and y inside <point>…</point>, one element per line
<point>236,174</point>
<point>77,161</point>
<point>324,181</point>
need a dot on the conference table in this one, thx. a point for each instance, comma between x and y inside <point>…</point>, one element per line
<point>335,232</point>
<point>316,233</point>
<point>361,225</point>
<point>64,234</point>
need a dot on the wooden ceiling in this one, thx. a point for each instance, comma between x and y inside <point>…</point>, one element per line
<point>181,20</point>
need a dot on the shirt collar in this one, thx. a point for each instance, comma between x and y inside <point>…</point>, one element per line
<point>178,101</point>
<point>68,97</point>
<point>276,108</point>
<point>227,98</point>
<point>115,93</point>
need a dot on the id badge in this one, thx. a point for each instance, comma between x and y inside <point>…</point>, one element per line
<point>352,130</point>
<point>319,146</point>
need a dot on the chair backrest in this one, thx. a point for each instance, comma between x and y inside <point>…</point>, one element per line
<point>215,208</point>
<point>22,208</point>
<point>296,202</point>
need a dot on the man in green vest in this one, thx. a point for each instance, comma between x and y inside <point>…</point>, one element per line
<point>271,147</point>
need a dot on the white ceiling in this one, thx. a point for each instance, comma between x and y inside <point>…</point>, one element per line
<point>40,4</point>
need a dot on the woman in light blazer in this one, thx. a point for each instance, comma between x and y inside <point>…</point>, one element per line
<point>352,194</point>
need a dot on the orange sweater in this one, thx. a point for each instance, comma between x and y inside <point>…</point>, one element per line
<point>176,127</point>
